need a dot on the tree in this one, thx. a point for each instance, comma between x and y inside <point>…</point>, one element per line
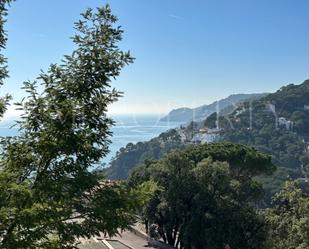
<point>48,196</point>
<point>3,67</point>
<point>289,218</point>
<point>206,196</point>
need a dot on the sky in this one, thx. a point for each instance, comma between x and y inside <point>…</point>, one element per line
<point>188,53</point>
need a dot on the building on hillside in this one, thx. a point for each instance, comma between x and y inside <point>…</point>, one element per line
<point>287,124</point>
<point>203,130</point>
<point>239,112</point>
<point>306,107</point>
<point>206,135</point>
<point>214,131</point>
<point>182,136</point>
<point>196,139</point>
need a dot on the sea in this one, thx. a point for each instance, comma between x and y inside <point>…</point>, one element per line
<point>127,129</point>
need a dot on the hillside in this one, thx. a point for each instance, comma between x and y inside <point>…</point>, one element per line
<point>135,154</point>
<point>202,112</point>
<point>277,124</point>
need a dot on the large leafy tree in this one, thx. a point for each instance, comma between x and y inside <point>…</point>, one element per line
<point>206,196</point>
<point>48,196</point>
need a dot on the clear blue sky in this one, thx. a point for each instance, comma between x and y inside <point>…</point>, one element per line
<point>187,53</point>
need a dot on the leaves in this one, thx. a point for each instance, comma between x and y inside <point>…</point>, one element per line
<point>206,196</point>
<point>50,198</point>
<point>289,218</point>
<point>4,101</point>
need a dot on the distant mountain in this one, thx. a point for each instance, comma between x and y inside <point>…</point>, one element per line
<point>202,112</point>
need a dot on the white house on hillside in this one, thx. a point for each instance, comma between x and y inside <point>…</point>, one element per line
<point>287,124</point>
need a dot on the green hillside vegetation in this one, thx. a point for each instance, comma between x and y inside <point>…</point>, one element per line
<point>256,123</point>
<point>259,126</point>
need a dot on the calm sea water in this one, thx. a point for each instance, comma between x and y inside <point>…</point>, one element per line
<point>133,129</point>
<point>128,129</point>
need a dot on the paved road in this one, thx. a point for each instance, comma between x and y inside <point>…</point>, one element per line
<point>132,240</point>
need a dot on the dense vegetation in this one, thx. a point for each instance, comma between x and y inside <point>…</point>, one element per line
<point>288,220</point>
<point>256,123</point>
<point>207,197</point>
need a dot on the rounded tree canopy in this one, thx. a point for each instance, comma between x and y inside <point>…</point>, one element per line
<point>243,160</point>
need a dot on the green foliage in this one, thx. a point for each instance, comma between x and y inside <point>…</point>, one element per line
<point>3,67</point>
<point>48,197</point>
<point>289,219</point>
<point>3,39</point>
<point>206,197</point>
<point>244,161</point>
<point>272,184</point>
<point>144,192</point>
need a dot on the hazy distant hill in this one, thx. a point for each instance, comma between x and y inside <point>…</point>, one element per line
<point>200,113</point>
